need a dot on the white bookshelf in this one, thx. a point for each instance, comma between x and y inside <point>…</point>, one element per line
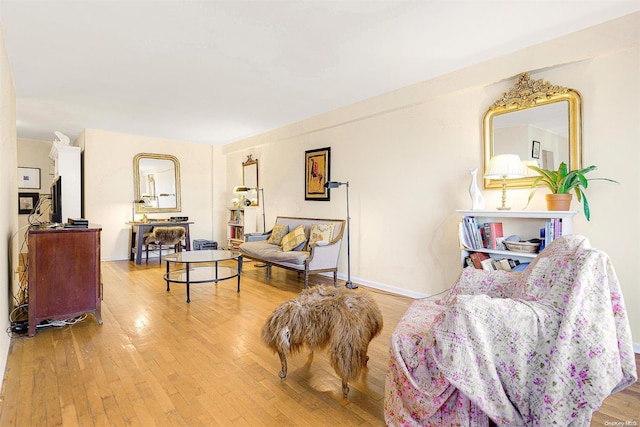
<point>526,224</point>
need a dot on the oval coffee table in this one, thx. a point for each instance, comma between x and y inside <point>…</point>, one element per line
<point>202,267</point>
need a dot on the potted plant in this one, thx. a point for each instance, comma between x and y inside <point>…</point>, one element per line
<point>561,182</point>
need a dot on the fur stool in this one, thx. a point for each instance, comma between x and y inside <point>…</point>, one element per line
<point>166,236</point>
<point>344,321</point>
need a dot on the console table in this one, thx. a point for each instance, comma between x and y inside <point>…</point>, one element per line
<point>139,229</point>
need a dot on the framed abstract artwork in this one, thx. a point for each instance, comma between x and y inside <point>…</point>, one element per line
<point>317,166</point>
<point>29,178</point>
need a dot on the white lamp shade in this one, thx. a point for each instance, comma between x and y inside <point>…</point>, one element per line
<point>505,166</point>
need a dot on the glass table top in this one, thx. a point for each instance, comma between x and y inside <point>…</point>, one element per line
<point>212,255</point>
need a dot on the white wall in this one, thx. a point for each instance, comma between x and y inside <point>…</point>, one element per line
<point>407,155</point>
<point>35,154</point>
<point>109,184</point>
<point>8,196</point>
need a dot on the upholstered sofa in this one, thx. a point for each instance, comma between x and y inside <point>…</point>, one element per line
<point>304,245</point>
<point>539,348</point>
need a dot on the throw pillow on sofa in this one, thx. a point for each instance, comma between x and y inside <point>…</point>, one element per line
<point>320,232</point>
<point>294,238</point>
<point>278,232</point>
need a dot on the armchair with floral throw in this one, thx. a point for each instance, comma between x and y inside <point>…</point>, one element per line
<point>542,347</point>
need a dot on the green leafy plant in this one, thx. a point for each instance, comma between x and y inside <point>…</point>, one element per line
<point>563,181</point>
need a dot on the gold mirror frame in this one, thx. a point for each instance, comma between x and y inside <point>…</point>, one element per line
<point>527,94</point>
<point>140,195</point>
<point>250,178</point>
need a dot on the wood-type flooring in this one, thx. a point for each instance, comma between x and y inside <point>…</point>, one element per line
<point>157,360</point>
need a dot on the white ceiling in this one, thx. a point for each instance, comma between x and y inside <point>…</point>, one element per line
<point>214,72</point>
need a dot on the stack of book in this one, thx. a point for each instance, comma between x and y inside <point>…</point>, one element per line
<point>77,223</point>
<point>482,261</point>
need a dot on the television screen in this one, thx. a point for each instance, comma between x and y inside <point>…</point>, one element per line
<point>56,200</point>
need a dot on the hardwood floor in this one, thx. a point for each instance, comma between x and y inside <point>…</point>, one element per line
<point>159,361</point>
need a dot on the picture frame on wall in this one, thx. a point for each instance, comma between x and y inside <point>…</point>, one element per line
<point>29,178</point>
<point>535,149</point>
<point>317,167</point>
<point>26,202</point>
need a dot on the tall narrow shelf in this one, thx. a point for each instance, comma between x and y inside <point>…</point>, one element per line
<point>240,222</point>
<point>67,164</point>
<point>526,224</point>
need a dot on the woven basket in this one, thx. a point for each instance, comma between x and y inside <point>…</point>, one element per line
<point>526,247</point>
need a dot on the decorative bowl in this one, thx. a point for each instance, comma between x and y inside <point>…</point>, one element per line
<point>526,247</point>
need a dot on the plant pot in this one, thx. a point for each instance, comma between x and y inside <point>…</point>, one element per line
<point>559,202</point>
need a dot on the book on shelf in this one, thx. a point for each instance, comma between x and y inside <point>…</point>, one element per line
<point>463,236</point>
<point>552,230</point>
<point>473,232</point>
<point>506,264</point>
<point>477,258</point>
<point>492,232</point>
<point>557,227</point>
<point>483,261</point>
<point>487,264</point>
<point>521,267</point>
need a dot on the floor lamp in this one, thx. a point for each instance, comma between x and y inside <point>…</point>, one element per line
<point>336,184</point>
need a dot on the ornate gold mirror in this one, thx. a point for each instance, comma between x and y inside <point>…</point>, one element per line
<point>250,179</point>
<point>540,122</point>
<point>157,182</point>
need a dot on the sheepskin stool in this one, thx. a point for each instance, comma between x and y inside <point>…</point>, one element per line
<point>344,321</point>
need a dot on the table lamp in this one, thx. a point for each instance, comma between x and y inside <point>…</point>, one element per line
<point>503,167</point>
<point>137,204</point>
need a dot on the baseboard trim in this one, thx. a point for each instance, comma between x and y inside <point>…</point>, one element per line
<point>636,347</point>
<point>387,288</point>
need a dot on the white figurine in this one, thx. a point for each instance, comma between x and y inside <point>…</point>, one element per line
<point>477,200</point>
<point>62,138</point>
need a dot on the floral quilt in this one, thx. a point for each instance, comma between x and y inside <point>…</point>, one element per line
<point>538,348</point>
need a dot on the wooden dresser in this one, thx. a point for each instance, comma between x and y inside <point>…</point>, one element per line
<point>64,274</point>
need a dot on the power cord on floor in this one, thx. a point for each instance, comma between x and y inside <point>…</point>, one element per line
<point>21,327</point>
<point>435,295</point>
<point>60,323</point>
<point>383,292</point>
